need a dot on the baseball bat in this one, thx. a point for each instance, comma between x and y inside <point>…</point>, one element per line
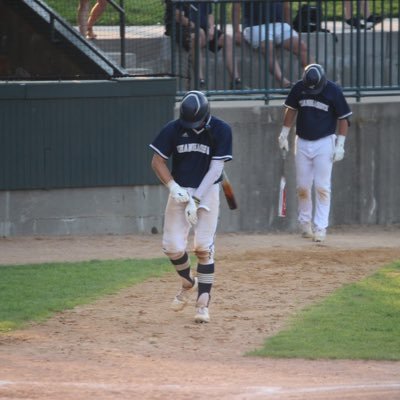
<point>228,191</point>
<point>282,189</point>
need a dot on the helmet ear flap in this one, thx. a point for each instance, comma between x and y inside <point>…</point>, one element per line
<point>194,110</point>
<point>314,78</point>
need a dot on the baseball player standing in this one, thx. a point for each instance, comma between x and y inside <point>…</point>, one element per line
<point>199,145</point>
<point>321,110</point>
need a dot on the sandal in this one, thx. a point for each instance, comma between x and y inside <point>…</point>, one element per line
<point>90,34</point>
<point>236,84</point>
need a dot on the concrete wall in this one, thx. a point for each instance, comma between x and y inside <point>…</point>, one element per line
<point>366,186</point>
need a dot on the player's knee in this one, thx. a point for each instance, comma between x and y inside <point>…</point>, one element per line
<point>174,255</point>
<point>323,193</point>
<point>303,193</point>
<point>205,256</point>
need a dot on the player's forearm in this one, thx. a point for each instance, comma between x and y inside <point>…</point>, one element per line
<point>343,127</point>
<point>289,117</point>
<point>159,166</point>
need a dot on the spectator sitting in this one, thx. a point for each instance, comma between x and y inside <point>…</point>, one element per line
<point>184,28</point>
<point>259,16</point>
<point>186,17</point>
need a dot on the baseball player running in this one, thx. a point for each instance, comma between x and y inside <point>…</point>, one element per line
<point>199,145</point>
<point>321,108</point>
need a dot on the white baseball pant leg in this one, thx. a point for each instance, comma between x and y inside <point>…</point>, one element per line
<point>314,160</point>
<point>204,231</point>
<point>176,228</point>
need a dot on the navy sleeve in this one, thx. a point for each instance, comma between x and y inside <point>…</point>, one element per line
<point>292,100</point>
<point>223,142</point>
<point>342,108</point>
<point>163,143</point>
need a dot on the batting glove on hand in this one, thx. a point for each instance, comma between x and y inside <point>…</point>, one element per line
<point>283,138</point>
<point>191,211</point>
<point>339,149</point>
<point>179,194</point>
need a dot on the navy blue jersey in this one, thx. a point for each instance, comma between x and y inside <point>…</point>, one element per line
<point>317,114</point>
<point>261,12</point>
<point>192,152</point>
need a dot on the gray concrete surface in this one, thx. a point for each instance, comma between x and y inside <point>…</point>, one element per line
<point>365,190</point>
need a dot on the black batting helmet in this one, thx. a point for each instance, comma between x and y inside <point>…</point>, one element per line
<point>194,109</point>
<point>314,78</point>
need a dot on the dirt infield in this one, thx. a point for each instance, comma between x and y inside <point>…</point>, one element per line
<point>131,346</point>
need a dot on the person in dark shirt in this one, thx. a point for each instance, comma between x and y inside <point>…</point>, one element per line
<point>267,23</point>
<point>199,144</point>
<point>184,27</point>
<point>187,16</point>
<point>321,110</point>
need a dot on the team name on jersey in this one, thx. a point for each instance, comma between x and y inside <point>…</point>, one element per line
<point>189,147</point>
<point>314,104</point>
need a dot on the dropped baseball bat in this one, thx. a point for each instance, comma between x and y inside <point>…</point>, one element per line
<point>282,189</point>
<point>228,191</point>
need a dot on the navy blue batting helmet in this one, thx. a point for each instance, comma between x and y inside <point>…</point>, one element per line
<point>314,78</point>
<point>194,110</point>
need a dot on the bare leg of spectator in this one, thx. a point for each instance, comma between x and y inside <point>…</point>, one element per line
<point>368,21</point>
<point>348,9</point>
<point>202,45</point>
<point>274,67</point>
<point>365,9</point>
<point>83,14</point>
<point>298,48</point>
<point>95,14</point>
<point>231,66</point>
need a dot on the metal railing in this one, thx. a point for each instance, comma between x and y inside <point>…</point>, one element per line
<point>122,28</point>
<point>363,61</point>
<point>361,55</point>
<point>59,26</point>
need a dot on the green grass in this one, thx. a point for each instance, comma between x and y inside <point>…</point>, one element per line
<point>359,321</point>
<point>151,12</point>
<point>35,292</point>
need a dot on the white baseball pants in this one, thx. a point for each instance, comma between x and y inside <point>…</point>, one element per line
<point>176,228</point>
<point>314,160</point>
